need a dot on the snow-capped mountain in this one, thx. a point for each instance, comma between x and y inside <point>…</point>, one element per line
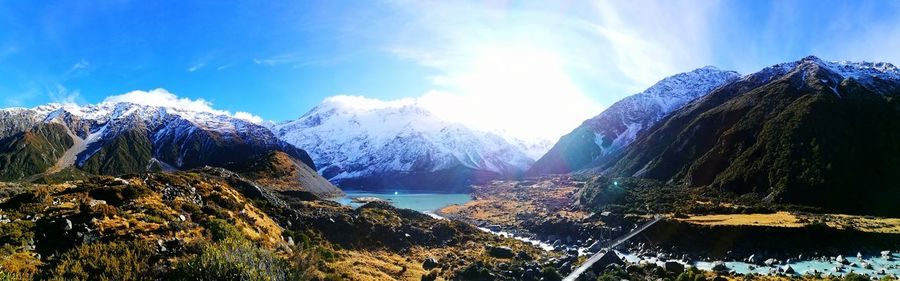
<point>617,126</point>
<point>364,143</point>
<point>117,138</point>
<point>808,132</point>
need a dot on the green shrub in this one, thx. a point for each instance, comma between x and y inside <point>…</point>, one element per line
<point>550,274</point>
<point>118,194</point>
<point>233,259</point>
<point>16,233</point>
<point>105,261</point>
<point>692,274</point>
<point>855,277</point>
<point>431,276</point>
<point>220,229</point>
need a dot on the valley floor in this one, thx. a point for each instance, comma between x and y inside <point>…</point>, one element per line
<point>550,209</point>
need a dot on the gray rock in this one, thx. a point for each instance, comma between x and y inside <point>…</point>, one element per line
<point>674,267</point>
<point>430,263</point>
<point>789,270</point>
<point>719,266</point>
<point>502,252</point>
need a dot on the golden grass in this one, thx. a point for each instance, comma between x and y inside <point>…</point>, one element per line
<point>779,219</point>
<point>785,219</point>
<point>21,265</point>
<point>861,223</point>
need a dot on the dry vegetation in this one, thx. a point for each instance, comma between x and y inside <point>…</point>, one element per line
<point>786,219</point>
<point>510,203</point>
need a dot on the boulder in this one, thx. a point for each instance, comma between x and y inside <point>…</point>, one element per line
<point>789,270</point>
<point>522,255</point>
<point>867,266</point>
<point>719,266</point>
<point>430,263</point>
<point>674,267</point>
<point>502,252</point>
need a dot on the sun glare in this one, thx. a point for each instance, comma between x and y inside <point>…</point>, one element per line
<point>523,91</point>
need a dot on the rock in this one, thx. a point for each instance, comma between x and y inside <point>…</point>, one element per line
<point>95,202</point>
<point>719,266</point>
<point>789,270</point>
<point>752,259</point>
<point>522,255</point>
<point>502,252</point>
<point>674,267</point>
<point>840,259</point>
<point>68,225</point>
<point>867,266</point>
<point>859,255</point>
<point>430,263</point>
<point>770,262</point>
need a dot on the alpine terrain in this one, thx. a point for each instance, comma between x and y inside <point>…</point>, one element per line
<point>810,132</point>
<point>66,140</point>
<point>606,134</point>
<point>360,143</point>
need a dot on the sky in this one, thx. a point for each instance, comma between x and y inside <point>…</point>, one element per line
<point>533,69</point>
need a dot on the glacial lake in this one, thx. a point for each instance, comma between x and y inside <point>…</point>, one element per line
<point>425,202</point>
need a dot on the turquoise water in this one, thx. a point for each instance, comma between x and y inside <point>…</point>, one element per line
<point>881,266</point>
<point>419,201</point>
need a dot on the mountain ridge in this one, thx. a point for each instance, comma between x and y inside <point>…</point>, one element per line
<point>604,135</point>
<point>805,132</point>
<point>121,138</point>
<point>365,143</point>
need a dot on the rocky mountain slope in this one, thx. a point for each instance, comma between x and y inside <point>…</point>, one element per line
<point>359,144</point>
<point>606,134</point>
<point>212,224</point>
<point>810,132</point>
<point>120,138</point>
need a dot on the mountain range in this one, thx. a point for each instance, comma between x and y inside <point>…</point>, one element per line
<point>810,132</point>
<point>361,143</point>
<point>61,140</point>
<point>606,134</point>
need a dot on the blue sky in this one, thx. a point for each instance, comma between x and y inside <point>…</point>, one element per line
<point>526,67</point>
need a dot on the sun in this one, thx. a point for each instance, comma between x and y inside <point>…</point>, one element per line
<point>523,91</point>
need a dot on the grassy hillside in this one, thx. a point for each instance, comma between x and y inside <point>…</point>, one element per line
<point>32,151</point>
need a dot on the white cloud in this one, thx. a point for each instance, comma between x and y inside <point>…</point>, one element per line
<point>78,68</point>
<point>162,98</point>
<point>248,116</point>
<point>196,66</point>
<point>63,95</point>
<point>79,65</point>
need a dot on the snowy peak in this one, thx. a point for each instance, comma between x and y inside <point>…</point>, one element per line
<point>866,73</point>
<point>615,128</point>
<point>356,139</point>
